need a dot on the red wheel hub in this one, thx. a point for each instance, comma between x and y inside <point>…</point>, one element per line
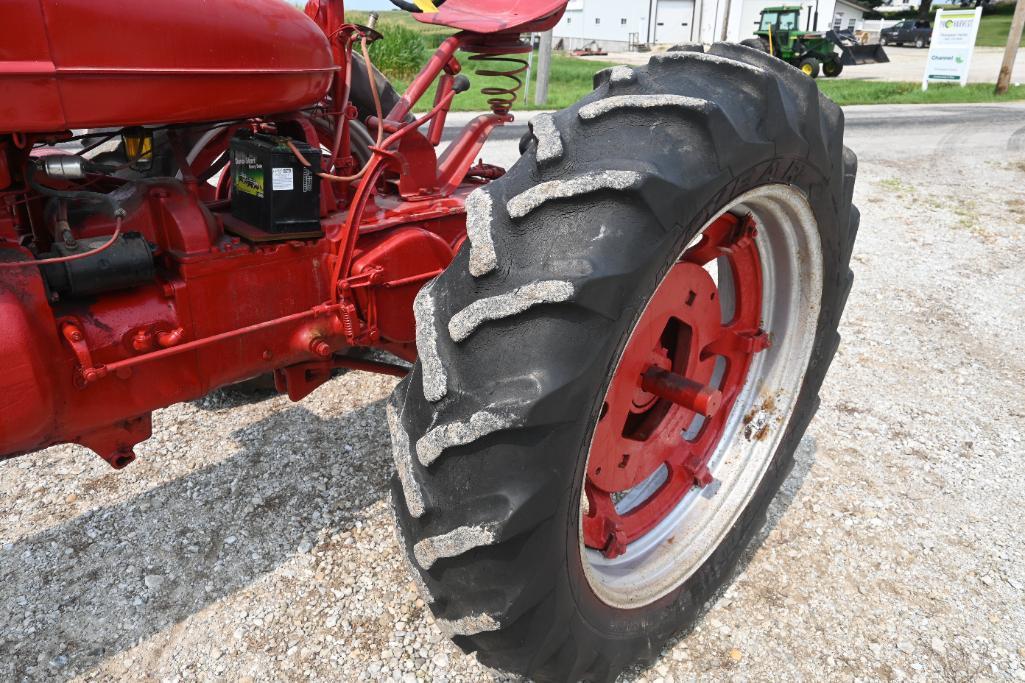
<point>680,373</point>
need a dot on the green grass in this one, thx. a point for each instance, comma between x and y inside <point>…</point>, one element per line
<point>995,26</point>
<point>402,55</point>
<point>571,79</point>
<point>433,35</point>
<point>882,92</point>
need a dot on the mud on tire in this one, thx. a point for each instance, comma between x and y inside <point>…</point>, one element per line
<point>518,337</point>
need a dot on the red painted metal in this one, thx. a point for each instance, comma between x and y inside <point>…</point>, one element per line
<point>684,392</point>
<point>84,63</point>
<point>228,303</point>
<point>672,390</point>
<point>497,16</point>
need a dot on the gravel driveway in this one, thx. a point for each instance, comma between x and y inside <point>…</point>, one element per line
<point>253,541</point>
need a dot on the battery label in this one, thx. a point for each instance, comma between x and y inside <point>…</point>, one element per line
<point>249,180</point>
<point>282,179</point>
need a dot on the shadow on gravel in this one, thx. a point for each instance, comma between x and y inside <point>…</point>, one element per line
<point>804,460</point>
<point>96,585</point>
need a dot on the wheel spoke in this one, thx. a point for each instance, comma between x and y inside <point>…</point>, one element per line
<point>663,383</point>
<point>735,341</point>
<point>728,233</point>
<point>603,526</point>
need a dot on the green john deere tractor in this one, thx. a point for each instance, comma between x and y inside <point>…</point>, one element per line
<point>779,33</point>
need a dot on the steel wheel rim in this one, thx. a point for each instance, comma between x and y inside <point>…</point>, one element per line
<point>674,548</point>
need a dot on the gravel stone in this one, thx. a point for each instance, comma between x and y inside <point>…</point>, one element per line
<point>906,492</point>
<point>154,581</point>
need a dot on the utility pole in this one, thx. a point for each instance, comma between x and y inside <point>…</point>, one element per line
<point>530,69</point>
<point>1011,51</point>
<point>544,68</point>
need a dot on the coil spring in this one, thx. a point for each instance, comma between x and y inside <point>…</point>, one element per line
<point>502,99</point>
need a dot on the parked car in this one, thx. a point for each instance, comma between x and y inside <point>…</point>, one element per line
<point>911,31</point>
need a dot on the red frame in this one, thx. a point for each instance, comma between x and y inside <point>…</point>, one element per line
<point>229,305</point>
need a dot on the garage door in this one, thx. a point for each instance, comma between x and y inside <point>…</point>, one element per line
<point>673,21</point>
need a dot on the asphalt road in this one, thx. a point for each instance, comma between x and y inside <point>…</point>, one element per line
<point>872,131</point>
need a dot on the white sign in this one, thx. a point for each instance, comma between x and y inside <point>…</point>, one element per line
<point>951,46</point>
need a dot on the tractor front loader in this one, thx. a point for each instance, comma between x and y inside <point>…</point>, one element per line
<point>780,35</point>
<point>853,53</point>
<point>609,352</point>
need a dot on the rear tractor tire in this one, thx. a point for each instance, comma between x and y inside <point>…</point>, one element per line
<point>810,66</point>
<point>615,372</point>
<point>760,44</point>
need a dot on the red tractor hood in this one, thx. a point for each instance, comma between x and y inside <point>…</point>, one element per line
<point>98,63</point>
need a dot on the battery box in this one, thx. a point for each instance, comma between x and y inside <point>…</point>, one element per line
<point>272,190</point>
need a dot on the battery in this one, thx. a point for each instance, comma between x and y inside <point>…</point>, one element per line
<point>272,190</point>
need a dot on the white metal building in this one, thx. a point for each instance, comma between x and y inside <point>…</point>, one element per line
<point>618,25</point>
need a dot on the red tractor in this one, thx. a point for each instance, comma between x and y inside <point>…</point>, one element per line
<point>610,351</point>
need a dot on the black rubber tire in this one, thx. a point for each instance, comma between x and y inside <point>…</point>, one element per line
<point>760,44</point>
<point>832,68</point>
<point>503,417</point>
<point>883,41</point>
<point>361,97</point>
<point>812,64</point>
<point>919,43</point>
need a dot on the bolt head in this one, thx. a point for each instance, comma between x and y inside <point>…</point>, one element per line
<point>321,348</point>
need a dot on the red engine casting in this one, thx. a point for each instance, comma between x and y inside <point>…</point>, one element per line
<point>129,282</point>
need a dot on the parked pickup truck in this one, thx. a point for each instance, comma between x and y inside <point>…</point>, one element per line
<point>910,31</point>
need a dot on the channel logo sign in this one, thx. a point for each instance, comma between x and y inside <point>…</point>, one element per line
<point>951,46</point>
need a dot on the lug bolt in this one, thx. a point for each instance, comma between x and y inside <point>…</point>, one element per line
<point>72,333</point>
<point>321,348</point>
